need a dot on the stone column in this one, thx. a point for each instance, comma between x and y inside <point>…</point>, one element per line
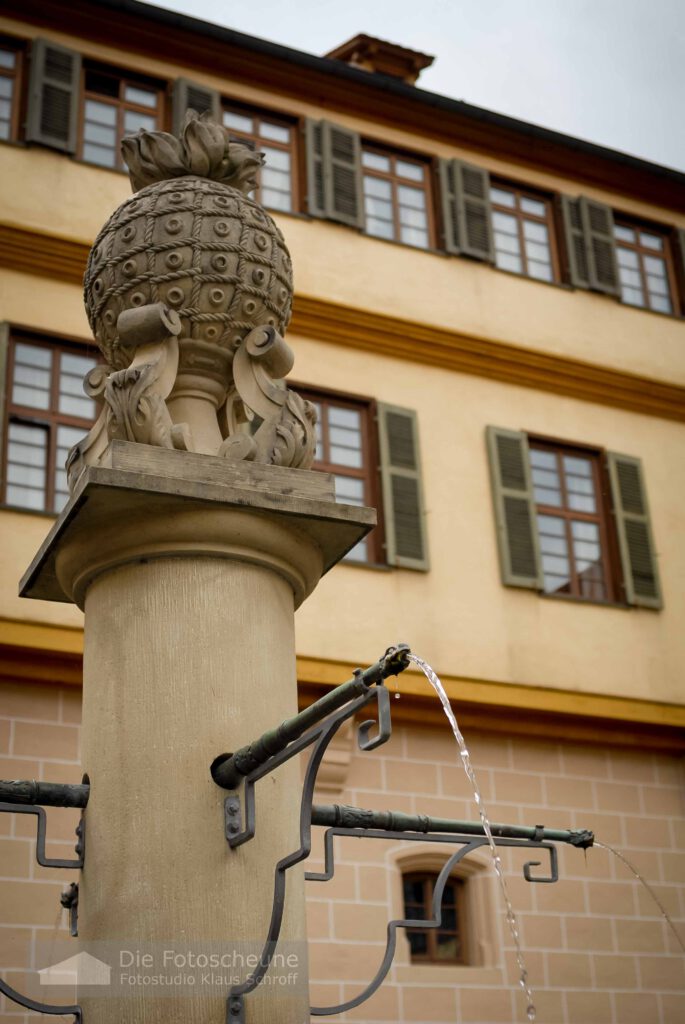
<point>189,569</point>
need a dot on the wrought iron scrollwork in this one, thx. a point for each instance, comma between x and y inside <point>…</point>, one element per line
<point>47,862</point>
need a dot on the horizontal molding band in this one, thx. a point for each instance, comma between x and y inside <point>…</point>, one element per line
<point>38,653</point>
<point>47,255</point>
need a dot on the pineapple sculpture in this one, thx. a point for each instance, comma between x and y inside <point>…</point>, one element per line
<point>188,291</point>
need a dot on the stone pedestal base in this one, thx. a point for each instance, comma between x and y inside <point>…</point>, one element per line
<point>188,569</point>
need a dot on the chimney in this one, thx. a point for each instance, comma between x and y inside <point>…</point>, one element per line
<point>382,57</point>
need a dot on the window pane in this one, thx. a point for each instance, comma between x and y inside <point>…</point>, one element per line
<point>504,222</point>
<point>84,407</point>
<point>7,58</point>
<point>545,460</point>
<point>540,271</point>
<point>552,525</point>
<point>240,122</point>
<point>406,170</point>
<point>359,553</point>
<point>651,241</point>
<point>657,285</point>
<point>340,416</point>
<point>103,113</point>
<point>624,234</point>
<point>585,531</point>
<point>661,304</point>
<point>507,243</point>
<point>80,365</point>
<point>654,265</point>
<point>346,456</point>
<point>502,197</point>
<point>99,155</point>
<point>143,97</point>
<point>275,132</point>
<point>380,208</point>
<point>582,503</point>
<point>630,278</point>
<point>6,88</point>
<point>26,460</point>
<point>376,161</point>
<point>412,197</point>
<point>581,467</point>
<point>506,262</point>
<point>100,134</point>
<point>380,228</point>
<point>412,218</point>
<point>533,206</point>
<point>633,296</point>
<point>349,489</point>
<point>277,200</point>
<point>278,159</point>
<point>414,236</point>
<point>535,232</point>
<point>133,120</point>
<point>345,436</point>
<point>627,258</point>
<point>553,545</point>
<point>377,187</point>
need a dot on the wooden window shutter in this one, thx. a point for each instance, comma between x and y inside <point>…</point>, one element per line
<point>334,162</point>
<point>512,490</point>
<point>467,220</point>
<point>189,95</point>
<point>678,240</point>
<point>405,526</point>
<point>601,247</point>
<point>53,99</point>
<point>576,250</point>
<point>633,526</point>
<point>5,383</point>
<point>590,244</point>
<point>316,198</point>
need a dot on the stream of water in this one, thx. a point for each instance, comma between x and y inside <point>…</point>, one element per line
<point>496,860</point>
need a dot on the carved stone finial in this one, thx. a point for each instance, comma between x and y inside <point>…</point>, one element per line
<point>188,291</point>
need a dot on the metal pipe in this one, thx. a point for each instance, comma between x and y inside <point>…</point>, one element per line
<point>49,794</point>
<point>228,770</point>
<point>340,816</point>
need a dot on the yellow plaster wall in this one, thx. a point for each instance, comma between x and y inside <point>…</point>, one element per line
<point>459,615</point>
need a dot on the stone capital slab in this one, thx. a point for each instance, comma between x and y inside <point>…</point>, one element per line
<point>144,502</point>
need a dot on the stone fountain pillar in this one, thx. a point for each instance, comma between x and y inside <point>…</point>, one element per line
<point>193,531</point>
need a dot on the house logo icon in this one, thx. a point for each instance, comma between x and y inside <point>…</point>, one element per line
<point>82,969</point>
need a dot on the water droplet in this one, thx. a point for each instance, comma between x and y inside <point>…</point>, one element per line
<point>397,696</point>
<point>531,1013</point>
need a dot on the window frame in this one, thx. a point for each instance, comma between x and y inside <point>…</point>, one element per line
<point>48,419</point>
<point>611,563</point>
<point>666,254</point>
<point>549,220</point>
<point>125,78</point>
<point>427,187</point>
<point>16,75</point>
<point>370,475</point>
<point>427,879</point>
<point>259,114</point>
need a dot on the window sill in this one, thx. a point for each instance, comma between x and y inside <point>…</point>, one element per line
<point>373,566</point>
<point>572,599</point>
<point>28,511</point>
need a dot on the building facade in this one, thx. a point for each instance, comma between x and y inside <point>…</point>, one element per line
<point>489,319</point>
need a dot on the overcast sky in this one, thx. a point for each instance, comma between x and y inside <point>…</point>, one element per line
<point>611,71</point>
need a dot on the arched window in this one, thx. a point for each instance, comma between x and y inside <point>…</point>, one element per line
<point>446,944</point>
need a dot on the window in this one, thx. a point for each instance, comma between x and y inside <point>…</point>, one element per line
<point>47,414</point>
<point>644,267</point>
<point>276,139</point>
<point>9,75</point>
<point>344,448</point>
<point>523,232</point>
<point>396,198</point>
<point>113,107</point>
<point>447,943</point>
<point>571,521</point>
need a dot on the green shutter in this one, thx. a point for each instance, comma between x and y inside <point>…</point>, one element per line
<point>189,95</point>
<point>633,526</point>
<point>601,246</point>
<point>4,384</point>
<point>403,507</point>
<point>466,215</point>
<point>316,197</point>
<point>53,97</point>
<point>576,251</point>
<point>590,244</point>
<point>512,491</point>
<point>334,173</point>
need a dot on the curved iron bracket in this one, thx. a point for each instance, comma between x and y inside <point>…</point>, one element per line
<point>47,862</point>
